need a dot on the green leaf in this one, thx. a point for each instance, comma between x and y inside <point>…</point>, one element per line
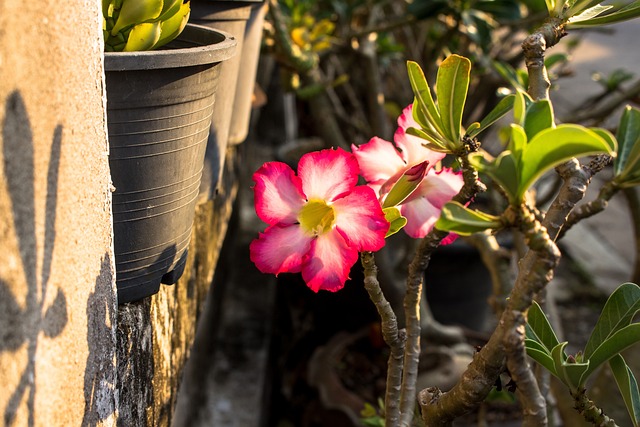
<point>510,74</point>
<point>504,106</point>
<point>568,371</point>
<point>551,5</point>
<point>551,60</point>
<point>502,170</point>
<point>590,13</point>
<point>628,387</point>
<point>628,136</point>
<point>538,117</point>
<point>540,326</point>
<point>452,85</point>
<point>143,37</point>
<point>540,354</point>
<point>135,12</point>
<point>461,220</point>
<point>434,141</point>
<point>520,105</point>
<point>615,344</point>
<point>406,185</point>
<point>422,93</point>
<point>617,313</point>
<point>629,12</point>
<point>552,147</point>
<point>578,6</point>
<point>173,25</point>
<point>395,219</point>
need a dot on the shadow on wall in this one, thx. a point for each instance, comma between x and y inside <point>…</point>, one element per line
<point>100,371</point>
<point>18,326</point>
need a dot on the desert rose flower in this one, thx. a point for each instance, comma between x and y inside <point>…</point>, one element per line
<point>382,164</point>
<point>318,220</point>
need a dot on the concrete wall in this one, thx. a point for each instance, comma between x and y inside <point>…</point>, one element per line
<point>57,292</point>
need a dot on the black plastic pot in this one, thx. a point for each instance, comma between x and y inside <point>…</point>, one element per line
<point>230,16</point>
<point>159,110</point>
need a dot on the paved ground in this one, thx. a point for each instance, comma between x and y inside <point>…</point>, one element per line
<point>603,243</point>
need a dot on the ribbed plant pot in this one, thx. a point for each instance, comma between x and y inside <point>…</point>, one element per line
<point>230,16</point>
<point>159,111</point>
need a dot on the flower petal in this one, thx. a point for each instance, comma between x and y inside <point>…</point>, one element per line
<point>329,262</point>
<point>280,249</point>
<point>360,219</point>
<point>439,187</point>
<point>378,159</point>
<point>422,207</point>
<point>421,216</point>
<point>412,149</point>
<point>278,193</point>
<point>327,174</point>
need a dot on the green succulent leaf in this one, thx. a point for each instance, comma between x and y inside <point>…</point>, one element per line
<point>627,385</point>
<point>169,8</point>
<point>539,353</point>
<point>143,37</point>
<point>551,60</point>
<point>452,84</point>
<point>576,7</point>
<point>134,12</point>
<point>434,141</point>
<point>538,117</point>
<point>540,328</point>
<point>517,80</point>
<point>554,146</point>
<point>406,185</point>
<point>630,11</point>
<point>616,343</point>
<point>590,13</point>
<point>395,219</point>
<point>551,6</point>
<point>504,106</point>
<point>456,218</point>
<point>426,112</point>
<point>626,166</point>
<point>502,170</point>
<point>617,313</point>
<point>520,106</point>
<point>568,371</point>
<point>173,25</point>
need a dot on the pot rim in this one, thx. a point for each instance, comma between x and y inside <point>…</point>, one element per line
<point>204,46</point>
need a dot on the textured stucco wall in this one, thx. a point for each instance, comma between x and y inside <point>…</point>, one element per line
<point>57,294</point>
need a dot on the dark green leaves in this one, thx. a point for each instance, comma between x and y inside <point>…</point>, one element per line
<point>613,333</point>
<point>626,167</point>
<point>617,313</point>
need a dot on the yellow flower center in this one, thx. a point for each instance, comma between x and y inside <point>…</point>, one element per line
<point>316,217</point>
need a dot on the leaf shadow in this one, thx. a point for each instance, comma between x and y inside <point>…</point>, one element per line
<point>26,324</point>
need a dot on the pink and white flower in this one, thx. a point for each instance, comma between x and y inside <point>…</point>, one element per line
<point>382,164</point>
<point>318,220</point>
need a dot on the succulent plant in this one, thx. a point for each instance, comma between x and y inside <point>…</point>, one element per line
<point>134,25</point>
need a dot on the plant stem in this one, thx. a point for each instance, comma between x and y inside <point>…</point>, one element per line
<point>593,207</point>
<point>534,48</point>
<point>419,264</point>
<point>394,338</point>
<point>440,409</point>
<point>590,411</point>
